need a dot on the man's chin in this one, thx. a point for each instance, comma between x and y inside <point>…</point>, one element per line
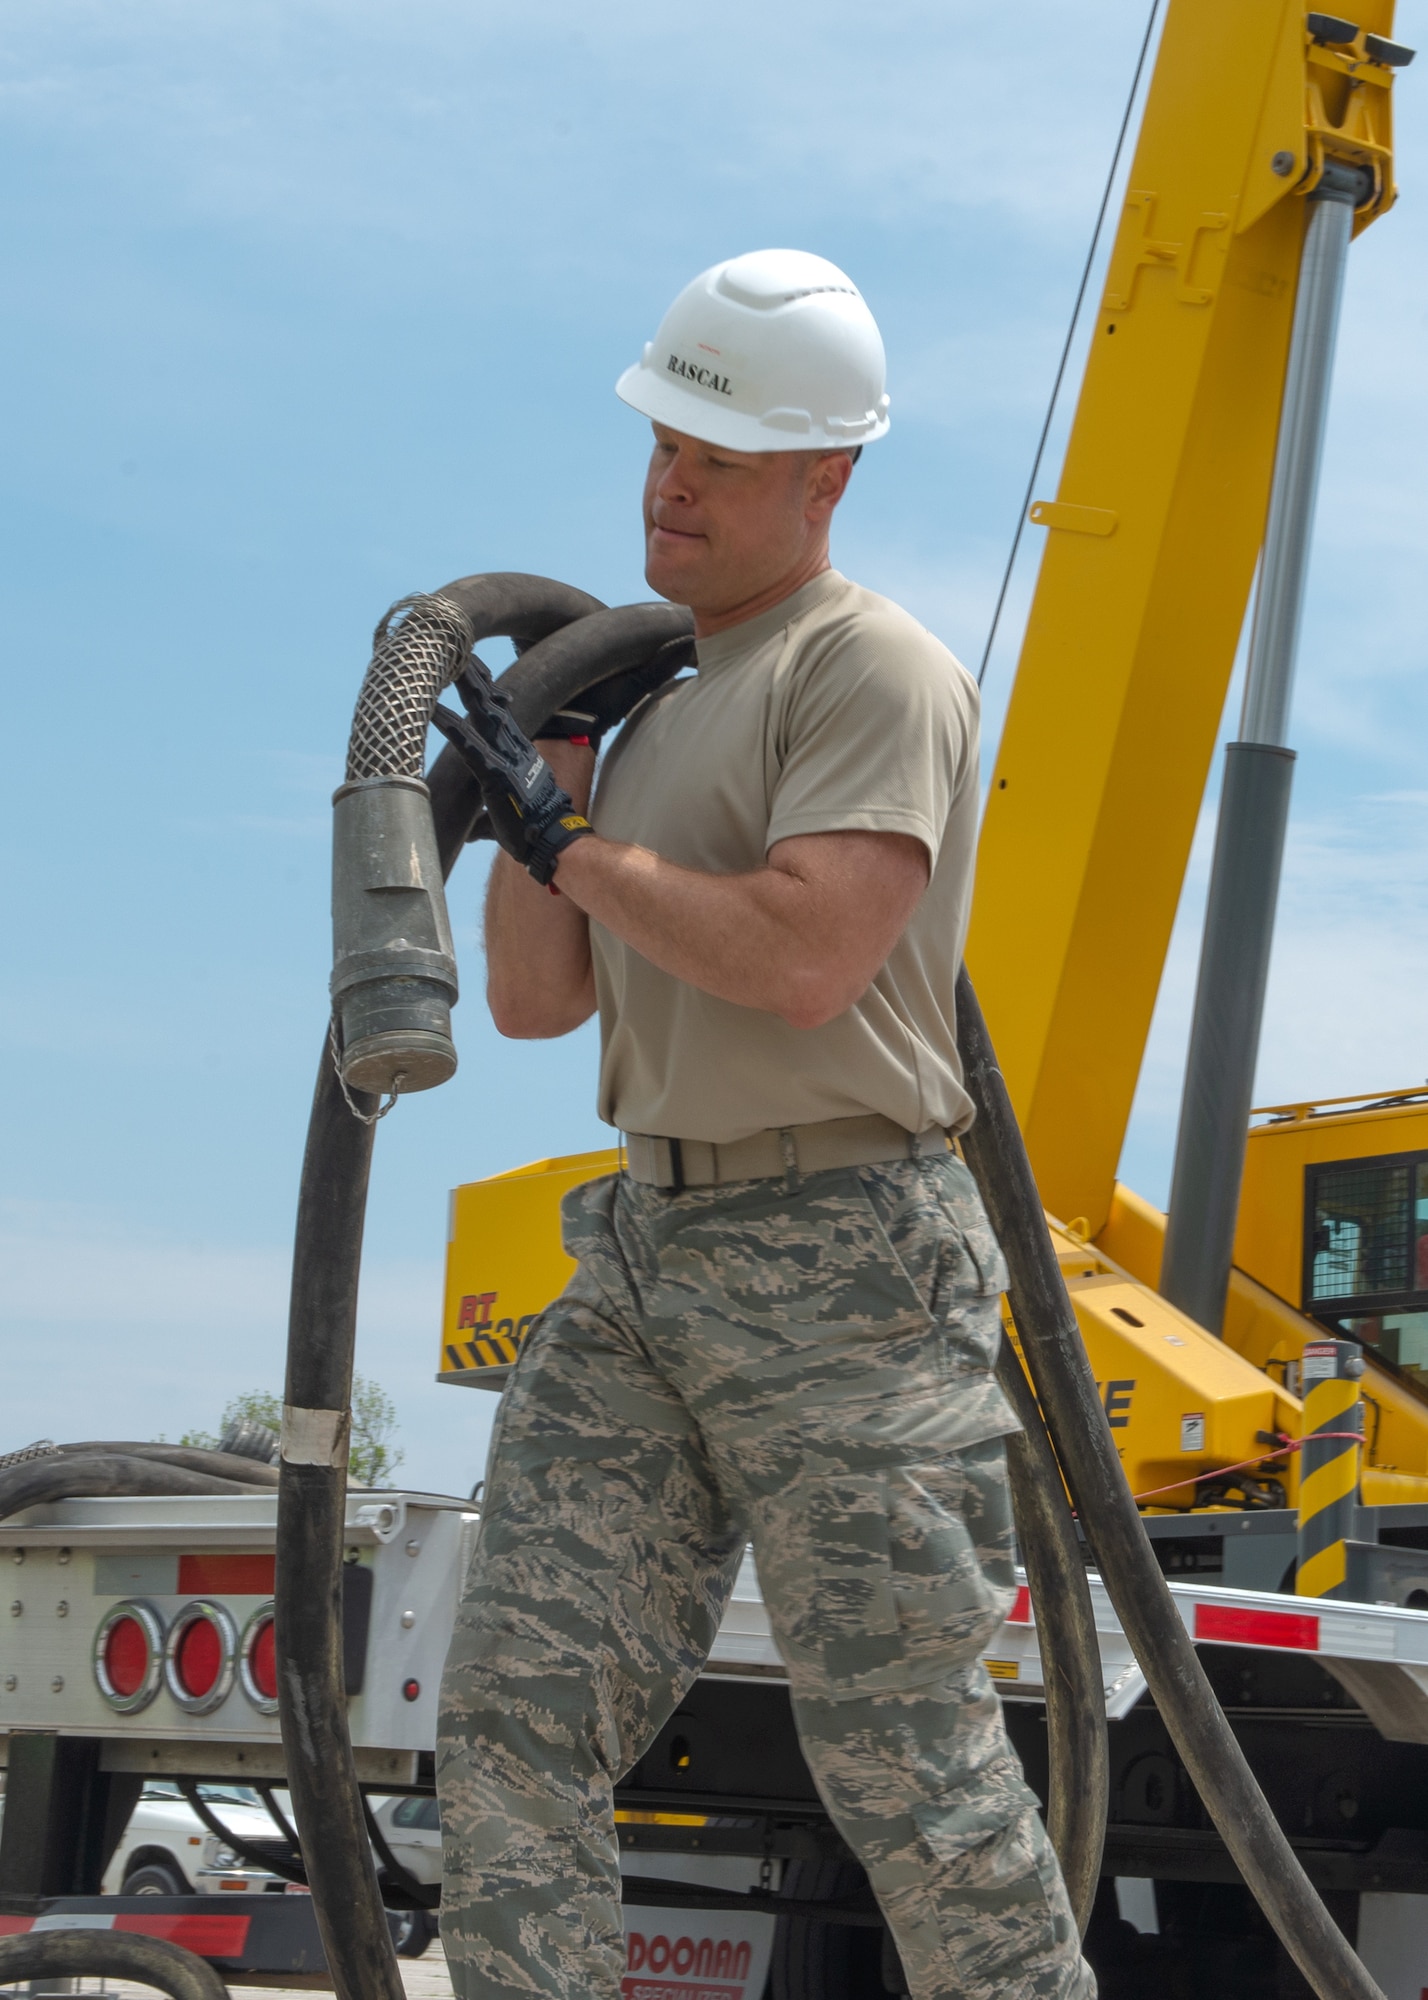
<point>673,582</point>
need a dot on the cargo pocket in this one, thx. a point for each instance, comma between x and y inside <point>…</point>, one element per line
<point>961,1203</point>
<point>978,1811</point>
<point>932,1221</point>
<point>872,1580</point>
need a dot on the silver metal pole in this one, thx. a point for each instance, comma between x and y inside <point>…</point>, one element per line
<point>1279,608</point>
<point>1254,803</point>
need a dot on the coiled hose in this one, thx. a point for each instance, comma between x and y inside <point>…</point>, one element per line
<point>1056,1358</point>
<point>96,1954</point>
<point>88,1471</point>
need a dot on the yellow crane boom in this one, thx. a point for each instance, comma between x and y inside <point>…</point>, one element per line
<point>1151,552</point>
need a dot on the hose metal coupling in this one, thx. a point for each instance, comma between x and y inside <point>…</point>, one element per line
<point>393,962</point>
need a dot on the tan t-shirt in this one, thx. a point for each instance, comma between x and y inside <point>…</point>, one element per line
<point>833,710</point>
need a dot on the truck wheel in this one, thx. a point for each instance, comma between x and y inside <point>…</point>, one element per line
<point>817,1961</point>
<point>412,1932</point>
<point>155,1878</point>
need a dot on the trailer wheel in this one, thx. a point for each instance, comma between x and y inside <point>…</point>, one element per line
<point>412,1932</point>
<point>817,1961</point>
<point>154,1879</point>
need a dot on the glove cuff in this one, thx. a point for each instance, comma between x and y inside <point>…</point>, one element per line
<point>546,848</point>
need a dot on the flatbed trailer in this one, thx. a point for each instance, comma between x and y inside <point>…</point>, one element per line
<point>723,1835</point>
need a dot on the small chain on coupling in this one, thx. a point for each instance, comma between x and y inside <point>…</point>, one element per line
<point>366,1117</point>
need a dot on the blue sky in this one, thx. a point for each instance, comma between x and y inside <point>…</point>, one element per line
<point>314,304</point>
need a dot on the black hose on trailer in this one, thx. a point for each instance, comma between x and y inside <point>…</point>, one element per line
<point>1078,1753</point>
<point>219,1461</point>
<point>95,1954</point>
<point>322,1775</point>
<point>1056,1359</point>
<point>90,1471</point>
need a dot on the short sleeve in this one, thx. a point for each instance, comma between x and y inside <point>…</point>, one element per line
<point>877,734</point>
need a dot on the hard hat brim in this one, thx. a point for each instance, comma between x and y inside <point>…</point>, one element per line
<point>698,415</point>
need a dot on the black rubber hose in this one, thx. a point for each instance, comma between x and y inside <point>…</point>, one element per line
<point>246,1850</point>
<point>312,1506</point>
<point>1056,1359</point>
<point>549,675</point>
<point>93,1954</point>
<point>195,1458</point>
<point>103,1474</point>
<point>402,1890</point>
<point>332,1197</point>
<point>595,648</point>
<point>509,604</point>
<point>1078,1751</point>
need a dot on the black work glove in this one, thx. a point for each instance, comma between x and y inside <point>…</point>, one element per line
<point>603,707</point>
<point>531,817</point>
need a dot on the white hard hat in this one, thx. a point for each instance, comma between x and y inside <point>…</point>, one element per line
<point>773,351</point>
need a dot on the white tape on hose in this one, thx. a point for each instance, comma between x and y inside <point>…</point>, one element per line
<point>316,1437</point>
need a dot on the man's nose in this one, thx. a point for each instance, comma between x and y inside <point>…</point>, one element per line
<point>674,482</point>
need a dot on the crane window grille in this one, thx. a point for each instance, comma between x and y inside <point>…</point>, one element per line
<point>1366,1253</point>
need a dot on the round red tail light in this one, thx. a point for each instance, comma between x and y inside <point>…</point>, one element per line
<point>199,1656</point>
<point>127,1653</point>
<point>128,1656</point>
<point>258,1661</point>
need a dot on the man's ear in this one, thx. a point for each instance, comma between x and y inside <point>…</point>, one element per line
<point>827,482</point>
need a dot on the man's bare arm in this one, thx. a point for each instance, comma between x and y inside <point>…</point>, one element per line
<point>539,980</point>
<point>802,937</point>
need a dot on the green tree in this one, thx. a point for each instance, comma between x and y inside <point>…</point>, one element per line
<point>375,1458</point>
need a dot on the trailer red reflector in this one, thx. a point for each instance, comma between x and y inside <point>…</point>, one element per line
<point>1020,1613</point>
<point>264,1662</point>
<point>1229,1626</point>
<point>211,1936</point>
<point>226,1576</point>
<point>126,1656</point>
<point>198,1658</point>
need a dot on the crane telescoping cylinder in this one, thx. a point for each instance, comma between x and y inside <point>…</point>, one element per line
<point>1254,802</point>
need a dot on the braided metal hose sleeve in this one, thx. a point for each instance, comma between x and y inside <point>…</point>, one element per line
<point>1061,1375</point>
<point>104,1474</point>
<point>322,1776</point>
<point>421,645</point>
<point>1078,1794</point>
<point>96,1954</point>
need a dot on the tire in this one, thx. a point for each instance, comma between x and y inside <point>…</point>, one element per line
<point>817,1961</point>
<point>155,1878</point>
<point>412,1931</point>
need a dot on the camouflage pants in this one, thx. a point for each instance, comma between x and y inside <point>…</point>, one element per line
<point>808,1369</point>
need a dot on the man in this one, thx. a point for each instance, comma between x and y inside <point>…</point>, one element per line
<point>784,1319</point>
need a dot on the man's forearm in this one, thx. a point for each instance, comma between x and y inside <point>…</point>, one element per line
<point>775,938</point>
<point>539,980</point>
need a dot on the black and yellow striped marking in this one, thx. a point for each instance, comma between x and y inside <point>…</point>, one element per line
<point>1329,1471</point>
<point>483,1350</point>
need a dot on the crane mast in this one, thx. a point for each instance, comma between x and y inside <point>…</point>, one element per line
<point>1153,541</point>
